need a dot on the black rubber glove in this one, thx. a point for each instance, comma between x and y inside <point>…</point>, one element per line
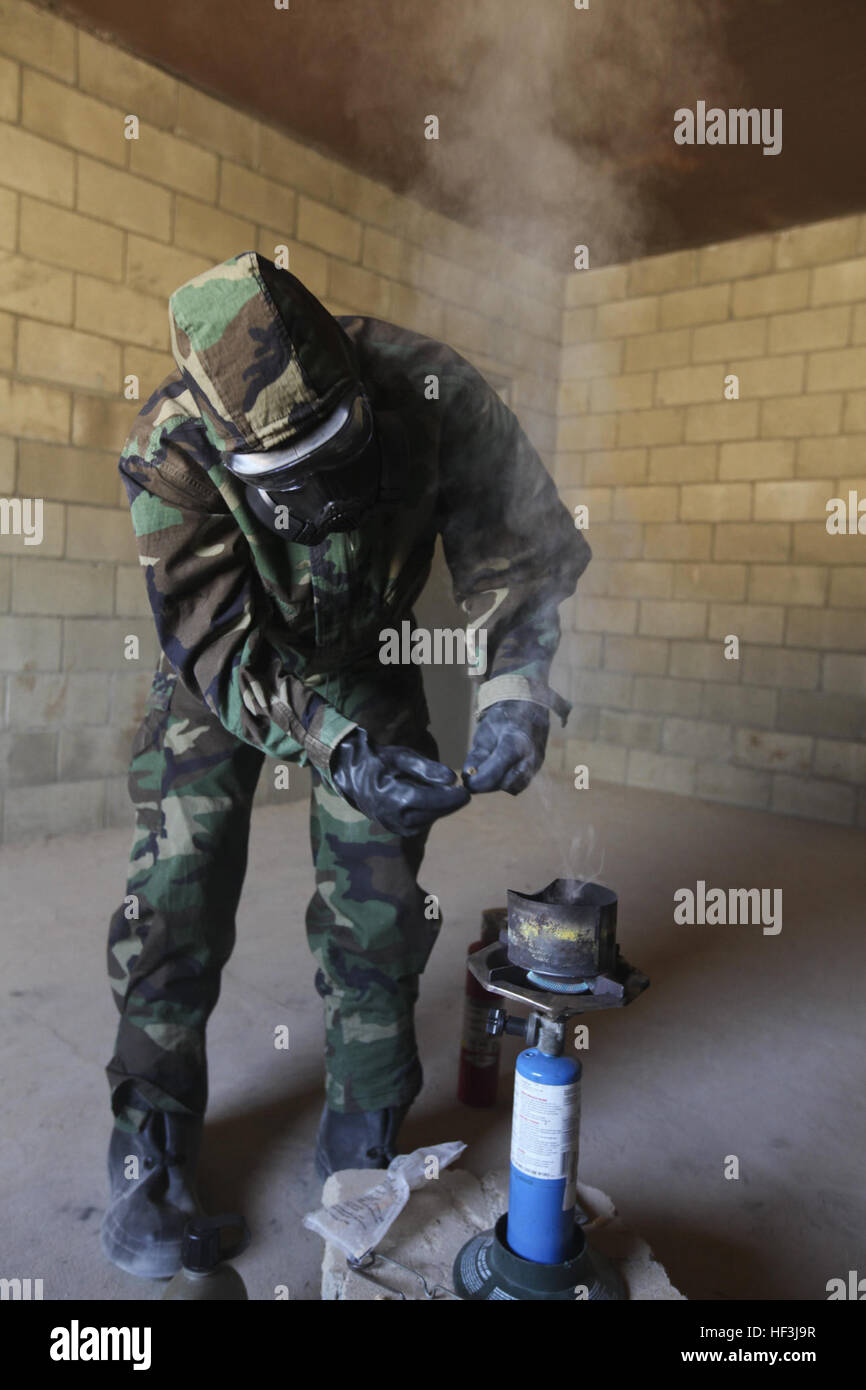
<point>508,748</point>
<point>400,789</point>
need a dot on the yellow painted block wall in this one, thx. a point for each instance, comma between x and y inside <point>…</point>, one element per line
<point>708,519</point>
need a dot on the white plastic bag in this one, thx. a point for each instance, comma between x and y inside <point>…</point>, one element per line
<point>358,1225</point>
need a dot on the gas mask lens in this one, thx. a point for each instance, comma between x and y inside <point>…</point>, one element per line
<point>320,484</point>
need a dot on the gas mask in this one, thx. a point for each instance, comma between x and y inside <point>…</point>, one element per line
<point>323,482</point>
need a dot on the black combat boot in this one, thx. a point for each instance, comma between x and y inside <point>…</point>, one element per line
<point>367,1139</point>
<point>143,1226</point>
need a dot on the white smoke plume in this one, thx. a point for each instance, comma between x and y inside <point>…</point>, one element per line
<point>568,110</point>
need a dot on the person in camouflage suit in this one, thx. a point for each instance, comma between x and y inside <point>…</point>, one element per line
<point>270,649</point>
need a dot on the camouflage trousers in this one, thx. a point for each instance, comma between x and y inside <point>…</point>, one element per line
<point>192,785</point>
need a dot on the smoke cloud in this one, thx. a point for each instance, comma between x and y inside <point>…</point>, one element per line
<point>553,120</point>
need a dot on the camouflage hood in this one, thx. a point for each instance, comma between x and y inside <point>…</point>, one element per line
<point>264,360</point>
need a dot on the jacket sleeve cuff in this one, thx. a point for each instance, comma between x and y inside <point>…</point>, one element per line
<point>515,687</point>
<point>331,728</point>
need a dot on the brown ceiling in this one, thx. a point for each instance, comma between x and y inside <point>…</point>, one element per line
<point>556,125</point>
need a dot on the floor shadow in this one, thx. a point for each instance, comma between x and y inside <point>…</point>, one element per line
<point>240,1147</point>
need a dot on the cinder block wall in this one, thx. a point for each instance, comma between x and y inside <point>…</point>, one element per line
<point>95,232</point>
<point>708,518</point>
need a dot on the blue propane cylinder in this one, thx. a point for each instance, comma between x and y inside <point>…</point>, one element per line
<point>545,1131</point>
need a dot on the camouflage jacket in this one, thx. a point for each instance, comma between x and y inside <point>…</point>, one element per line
<point>253,623</point>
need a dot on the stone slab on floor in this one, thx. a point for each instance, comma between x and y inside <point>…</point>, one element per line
<point>440,1217</point>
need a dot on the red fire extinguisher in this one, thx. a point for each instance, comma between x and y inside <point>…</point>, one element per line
<point>479,1053</point>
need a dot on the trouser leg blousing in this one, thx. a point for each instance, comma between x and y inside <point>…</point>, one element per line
<point>151,1175</point>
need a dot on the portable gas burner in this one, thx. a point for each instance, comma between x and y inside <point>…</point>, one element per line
<point>557,957</point>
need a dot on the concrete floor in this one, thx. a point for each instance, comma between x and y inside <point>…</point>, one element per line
<point>746,1044</point>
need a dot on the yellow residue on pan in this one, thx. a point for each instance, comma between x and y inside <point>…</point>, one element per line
<point>534,930</point>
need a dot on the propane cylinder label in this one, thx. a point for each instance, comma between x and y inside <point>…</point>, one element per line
<point>479,1047</point>
<point>545,1130</point>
